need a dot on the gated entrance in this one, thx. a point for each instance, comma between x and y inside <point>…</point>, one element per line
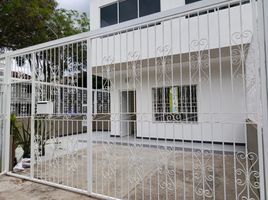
<point>169,106</point>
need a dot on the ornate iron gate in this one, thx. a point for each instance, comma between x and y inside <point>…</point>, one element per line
<point>168,106</point>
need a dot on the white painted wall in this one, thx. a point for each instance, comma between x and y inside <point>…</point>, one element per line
<point>253,82</point>
<point>220,111</point>
<point>169,4</point>
<point>179,35</point>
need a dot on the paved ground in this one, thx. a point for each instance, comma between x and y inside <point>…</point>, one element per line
<point>136,172</point>
<point>140,169</point>
<point>103,137</point>
<point>17,189</point>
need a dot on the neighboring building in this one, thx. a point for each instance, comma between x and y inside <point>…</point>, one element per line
<point>148,97</point>
<point>21,91</point>
<point>66,100</point>
<point>21,96</point>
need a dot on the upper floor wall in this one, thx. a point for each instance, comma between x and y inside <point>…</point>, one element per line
<point>224,25</point>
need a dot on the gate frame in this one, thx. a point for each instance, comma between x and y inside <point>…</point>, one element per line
<point>7,102</point>
<point>89,118</point>
<point>33,101</point>
<point>263,35</point>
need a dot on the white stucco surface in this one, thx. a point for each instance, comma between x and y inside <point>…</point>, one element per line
<point>220,87</point>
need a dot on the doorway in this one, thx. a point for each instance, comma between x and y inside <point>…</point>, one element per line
<point>128,113</point>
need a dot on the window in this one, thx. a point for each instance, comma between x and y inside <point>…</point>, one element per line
<point>148,7</point>
<point>128,9</point>
<point>101,102</point>
<point>175,104</point>
<point>109,15</point>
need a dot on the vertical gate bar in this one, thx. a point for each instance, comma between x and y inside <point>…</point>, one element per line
<point>32,115</point>
<point>254,43</point>
<point>6,150</point>
<point>263,42</point>
<point>2,121</point>
<point>89,117</point>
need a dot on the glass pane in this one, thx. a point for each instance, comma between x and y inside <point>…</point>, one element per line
<point>148,7</point>
<point>128,10</point>
<point>109,15</point>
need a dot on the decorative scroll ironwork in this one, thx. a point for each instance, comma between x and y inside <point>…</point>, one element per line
<point>247,175</point>
<point>241,41</point>
<point>164,65</point>
<point>72,155</point>
<point>199,60</point>
<point>246,68</point>
<point>203,173</point>
<point>135,165</point>
<point>37,149</point>
<point>55,159</point>
<point>108,72</point>
<point>165,169</point>
<point>109,161</point>
<point>134,68</point>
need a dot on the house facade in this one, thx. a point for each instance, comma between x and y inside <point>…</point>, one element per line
<point>180,79</point>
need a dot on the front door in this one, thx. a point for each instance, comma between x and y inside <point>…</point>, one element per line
<point>128,113</point>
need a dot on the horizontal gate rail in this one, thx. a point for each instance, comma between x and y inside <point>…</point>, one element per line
<point>154,18</point>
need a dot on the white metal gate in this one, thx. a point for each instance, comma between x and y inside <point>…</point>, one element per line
<point>168,106</point>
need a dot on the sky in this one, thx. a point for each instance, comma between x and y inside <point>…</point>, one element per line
<point>79,5</point>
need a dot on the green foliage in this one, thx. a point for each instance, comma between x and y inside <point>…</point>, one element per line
<point>21,134</point>
<point>68,22</point>
<point>26,23</point>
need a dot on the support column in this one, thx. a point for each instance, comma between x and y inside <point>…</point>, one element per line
<point>89,117</point>
<point>7,96</point>
<point>34,65</point>
<point>263,44</point>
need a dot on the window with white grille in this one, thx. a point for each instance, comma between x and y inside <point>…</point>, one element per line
<point>175,104</point>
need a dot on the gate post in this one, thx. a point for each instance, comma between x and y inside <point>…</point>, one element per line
<point>263,42</point>
<point>89,116</point>
<point>34,64</point>
<point>7,96</point>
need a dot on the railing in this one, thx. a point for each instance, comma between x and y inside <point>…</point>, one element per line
<point>167,118</point>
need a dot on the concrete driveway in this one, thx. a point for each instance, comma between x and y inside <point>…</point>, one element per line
<point>17,189</point>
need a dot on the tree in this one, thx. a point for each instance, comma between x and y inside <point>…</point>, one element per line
<point>67,22</point>
<point>26,23</point>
